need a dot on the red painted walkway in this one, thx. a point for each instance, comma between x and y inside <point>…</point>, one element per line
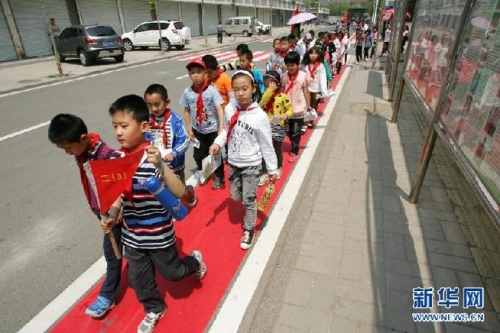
<point>214,227</point>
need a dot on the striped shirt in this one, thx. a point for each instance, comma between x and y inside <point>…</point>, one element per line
<point>146,223</point>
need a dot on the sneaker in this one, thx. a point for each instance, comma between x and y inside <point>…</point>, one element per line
<point>280,172</point>
<point>310,125</point>
<point>292,158</point>
<point>263,179</point>
<point>149,322</point>
<point>303,129</point>
<point>100,306</point>
<point>189,197</point>
<point>246,240</point>
<point>218,184</point>
<point>202,271</point>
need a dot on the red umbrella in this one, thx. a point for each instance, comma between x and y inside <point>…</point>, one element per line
<point>387,14</point>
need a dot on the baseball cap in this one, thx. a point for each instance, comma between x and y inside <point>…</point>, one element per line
<point>196,62</point>
<point>309,36</point>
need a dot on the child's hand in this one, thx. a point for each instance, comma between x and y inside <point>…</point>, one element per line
<point>284,117</point>
<point>169,157</point>
<point>220,130</point>
<point>191,135</point>
<point>214,149</point>
<point>107,224</point>
<point>154,156</point>
<point>272,178</point>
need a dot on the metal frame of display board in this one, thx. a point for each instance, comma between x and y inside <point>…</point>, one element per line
<point>397,42</point>
<point>435,129</point>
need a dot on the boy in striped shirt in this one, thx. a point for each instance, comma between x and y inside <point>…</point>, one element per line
<point>148,232</point>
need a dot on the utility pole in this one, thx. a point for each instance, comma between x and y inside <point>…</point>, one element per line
<point>203,22</point>
<point>159,28</point>
<point>53,41</point>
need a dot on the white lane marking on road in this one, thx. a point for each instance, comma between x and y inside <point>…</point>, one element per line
<point>235,304</point>
<point>65,301</point>
<point>197,55</point>
<point>29,129</point>
<point>82,78</point>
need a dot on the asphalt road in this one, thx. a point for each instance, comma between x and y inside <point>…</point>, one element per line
<point>49,236</point>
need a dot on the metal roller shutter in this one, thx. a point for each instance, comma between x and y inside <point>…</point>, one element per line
<point>7,51</point>
<point>246,11</point>
<point>169,10</point>
<point>101,12</point>
<point>211,19</point>
<point>32,28</point>
<point>58,10</point>
<point>134,13</point>
<point>227,12</point>
<point>191,18</point>
<point>265,15</point>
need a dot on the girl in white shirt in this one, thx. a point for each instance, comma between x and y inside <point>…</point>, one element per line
<point>313,66</point>
<point>247,132</point>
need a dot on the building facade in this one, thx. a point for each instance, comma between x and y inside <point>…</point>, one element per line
<point>24,30</point>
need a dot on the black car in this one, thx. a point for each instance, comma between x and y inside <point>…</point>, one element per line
<point>89,43</point>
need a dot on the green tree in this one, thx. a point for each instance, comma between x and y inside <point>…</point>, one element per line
<point>152,9</point>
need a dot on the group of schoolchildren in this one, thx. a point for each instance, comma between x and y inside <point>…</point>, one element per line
<point>248,114</point>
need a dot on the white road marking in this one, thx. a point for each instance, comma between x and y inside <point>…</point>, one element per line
<point>32,128</point>
<point>65,301</point>
<point>235,304</point>
<point>197,55</point>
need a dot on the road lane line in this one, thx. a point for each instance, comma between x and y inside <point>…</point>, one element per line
<point>29,129</point>
<point>236,302</point>
<point>62,303</point>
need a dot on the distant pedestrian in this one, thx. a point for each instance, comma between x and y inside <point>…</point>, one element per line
<point>220,32</point>
<point>54,28</point>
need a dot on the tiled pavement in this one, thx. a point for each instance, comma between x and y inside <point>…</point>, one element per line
<point>354,248</point>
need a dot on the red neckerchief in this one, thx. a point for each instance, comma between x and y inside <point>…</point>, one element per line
<point>94,140</point>
<point>270,104</point>
<point>313,70</point>
<point>282,54</point>
<point>128,191</point>
<point>199,102</point>
<point>292,81</point>
<point>152,125</point>
<point>234,119</point>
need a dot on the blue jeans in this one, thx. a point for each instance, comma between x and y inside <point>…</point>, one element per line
<point>113,265</point>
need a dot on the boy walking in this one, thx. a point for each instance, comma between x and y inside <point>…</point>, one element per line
<point>148,230</point>
<point>168,134</point>
<point>204,117</point>
<point>294,84</point>
<point>69,132</point>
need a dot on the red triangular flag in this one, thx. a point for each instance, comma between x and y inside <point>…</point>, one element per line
<point>295,12</point>
<point>109,178</point>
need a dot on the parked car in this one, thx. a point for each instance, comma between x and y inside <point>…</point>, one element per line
<point>243,25</point>
<point>89,43</point>
<point>263,29</point>
<point>146,34</point>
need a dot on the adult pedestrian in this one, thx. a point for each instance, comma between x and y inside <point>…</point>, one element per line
<point>220,32</point>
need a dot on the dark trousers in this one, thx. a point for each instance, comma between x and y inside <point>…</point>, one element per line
<point>219,37</point>
<point>359,53</point>
<point>113,265</point>
<point>206,140</point>
<point>278,145</point>
<point>367,49</point>
<point>293,133</point>
<point>142,265</point>
<point>374,46</point>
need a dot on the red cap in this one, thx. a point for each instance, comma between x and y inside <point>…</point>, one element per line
<point>196,62</point>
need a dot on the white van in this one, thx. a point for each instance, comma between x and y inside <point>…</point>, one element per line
<point>240,25</point>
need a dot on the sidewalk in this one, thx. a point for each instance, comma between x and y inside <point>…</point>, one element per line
<point>29,73</point>
<point>354,248</point>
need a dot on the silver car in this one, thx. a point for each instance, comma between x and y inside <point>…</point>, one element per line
<point>89,43</point>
